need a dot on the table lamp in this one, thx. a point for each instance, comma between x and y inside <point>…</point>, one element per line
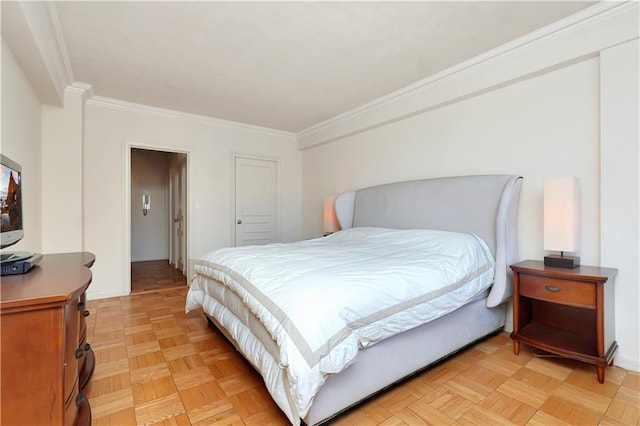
<point>330,220</point>
<point>561,221</point>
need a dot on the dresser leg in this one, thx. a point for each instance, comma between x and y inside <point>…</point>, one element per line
<point>600,373</point>
<point>516,347</point>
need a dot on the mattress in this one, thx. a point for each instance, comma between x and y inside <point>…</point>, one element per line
<point>302,311</point>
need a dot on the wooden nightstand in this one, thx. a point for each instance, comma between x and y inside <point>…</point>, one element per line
<point>567,312</point>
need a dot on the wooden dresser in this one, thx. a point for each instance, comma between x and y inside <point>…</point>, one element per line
<point>45,360</point>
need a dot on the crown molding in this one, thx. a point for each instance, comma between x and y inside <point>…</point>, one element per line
<point>59,46</point>
<point>32,32</point>
<point>112,103</point>
<point>561,42</point>
<point>83,89</point>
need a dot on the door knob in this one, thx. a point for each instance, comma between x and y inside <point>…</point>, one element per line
<point>239,222</point>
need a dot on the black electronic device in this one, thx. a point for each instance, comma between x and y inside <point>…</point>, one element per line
<point>21,265</point>
<point>10,202</point>
<point>11,221</point>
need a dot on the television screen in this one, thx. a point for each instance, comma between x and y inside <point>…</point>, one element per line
<point>10,201</point>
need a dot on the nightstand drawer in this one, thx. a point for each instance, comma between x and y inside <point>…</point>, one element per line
<point>564,292</point>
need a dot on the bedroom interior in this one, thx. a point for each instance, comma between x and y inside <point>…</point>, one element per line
<point>566,86</point>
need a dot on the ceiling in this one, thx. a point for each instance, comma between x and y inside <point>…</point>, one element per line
<point>282,65</point>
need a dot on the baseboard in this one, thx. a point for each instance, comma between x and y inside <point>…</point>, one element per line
<point>104,294</point>
<point>627,363</point>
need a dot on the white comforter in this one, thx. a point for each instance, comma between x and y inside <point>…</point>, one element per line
<point>322,300</point>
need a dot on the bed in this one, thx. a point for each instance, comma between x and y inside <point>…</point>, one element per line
<point>303,314</point>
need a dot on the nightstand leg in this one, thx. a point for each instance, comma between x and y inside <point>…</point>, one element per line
<point>600,373</point>
<point>516,347</point>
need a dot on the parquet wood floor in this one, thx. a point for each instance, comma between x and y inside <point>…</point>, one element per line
<point>157,365</point>
<point>155,275</point>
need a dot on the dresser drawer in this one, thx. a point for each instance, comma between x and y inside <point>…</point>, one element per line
<point>565,292</point>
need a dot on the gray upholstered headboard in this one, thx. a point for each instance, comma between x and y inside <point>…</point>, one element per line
<point>485,205</point>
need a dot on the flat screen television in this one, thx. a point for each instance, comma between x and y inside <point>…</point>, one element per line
<point>10,202</point>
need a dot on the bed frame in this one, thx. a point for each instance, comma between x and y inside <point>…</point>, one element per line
<point>485,205</point>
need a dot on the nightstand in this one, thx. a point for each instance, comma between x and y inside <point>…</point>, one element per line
<point>567,312</point>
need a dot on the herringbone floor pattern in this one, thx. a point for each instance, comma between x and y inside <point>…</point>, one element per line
<point>157,365</point>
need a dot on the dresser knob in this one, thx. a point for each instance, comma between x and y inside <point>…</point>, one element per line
<point>79,353</point>
<point>86,313</point>
<point>552,289</point>
<point>87,347</point>
<point>79,399</point>
<point>81,306</point>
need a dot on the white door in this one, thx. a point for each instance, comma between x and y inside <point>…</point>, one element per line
<point>255,201</point>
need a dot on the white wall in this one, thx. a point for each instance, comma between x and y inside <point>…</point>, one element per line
<point>62,133</point>
<point>620,187</point>
<point>545,126</point>
<point>534,108</point>
<point>21,118</point>
<point>111,128</point>
<point>149,233</point>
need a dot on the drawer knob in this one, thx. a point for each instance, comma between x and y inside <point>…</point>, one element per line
<point>87,347</point>
<point>86,313</point>
<point>79,399</point>
<point>552,289</point>
<point>79,353</point>
<point>81,306</point>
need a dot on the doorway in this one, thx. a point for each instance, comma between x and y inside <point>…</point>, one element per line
<point>158,237</point>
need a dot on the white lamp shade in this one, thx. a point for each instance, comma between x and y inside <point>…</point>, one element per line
<point>329,216</point>
<point>561,206</point>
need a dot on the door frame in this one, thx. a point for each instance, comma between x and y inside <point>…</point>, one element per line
<point>127,146</point>
<point>174,254</point>
<point>276,160</point>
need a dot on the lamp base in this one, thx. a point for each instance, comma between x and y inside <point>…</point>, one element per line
<point>561,261</point>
